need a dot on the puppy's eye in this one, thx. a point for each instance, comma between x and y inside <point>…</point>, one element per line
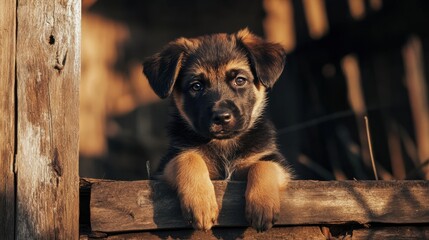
<point>240,81</point>
<point>196,86</point>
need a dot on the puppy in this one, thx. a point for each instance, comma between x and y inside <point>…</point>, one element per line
<point>218,86</point>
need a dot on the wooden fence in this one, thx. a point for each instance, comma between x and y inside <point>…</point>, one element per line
<point>309,210</point>
<point>39,184</point>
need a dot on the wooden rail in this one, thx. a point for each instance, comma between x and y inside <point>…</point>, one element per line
<point>120,207</point>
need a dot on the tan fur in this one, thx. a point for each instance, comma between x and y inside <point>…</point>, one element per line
<point>188,173</point>
<point>238,64</point>
<point>244,33</point>
<point>179,104</point>
<point>242,166</point>
<point>179,66</point>
<point>213,73</point>
<point>259,105</point>
<point>189,43</point>
<point>246,36</point>
<point>264,181</point>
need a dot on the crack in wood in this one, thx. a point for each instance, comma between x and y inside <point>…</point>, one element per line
<point>59,65</point>
<point>56,164</point>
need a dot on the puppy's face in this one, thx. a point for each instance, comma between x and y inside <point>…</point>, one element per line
<point>218,82</point>
<point>216,92</point>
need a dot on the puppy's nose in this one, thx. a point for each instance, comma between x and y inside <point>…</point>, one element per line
<point>222,117</point>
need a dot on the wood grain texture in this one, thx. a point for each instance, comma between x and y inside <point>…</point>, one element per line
<point>284,233</point>
<point>7,119</point>
<point>396,233</point>
<point>48,72</point>
<point>145,205</point>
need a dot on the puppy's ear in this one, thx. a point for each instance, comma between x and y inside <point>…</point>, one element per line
<point>267,59</point>
<point>162,69</point>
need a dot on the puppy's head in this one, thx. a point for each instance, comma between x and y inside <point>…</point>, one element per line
<point>218,82</point>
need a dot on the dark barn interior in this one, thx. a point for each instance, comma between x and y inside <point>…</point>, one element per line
<point>346,60</point>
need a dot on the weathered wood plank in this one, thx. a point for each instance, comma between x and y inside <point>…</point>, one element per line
<point>7,119</point>
<point>285,233</point>
<point>144,205</point>
<point>394,232</point>
<point>48,72</point>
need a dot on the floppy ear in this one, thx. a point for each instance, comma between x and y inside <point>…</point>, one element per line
<point>162,69</point>
<point>267,59</point>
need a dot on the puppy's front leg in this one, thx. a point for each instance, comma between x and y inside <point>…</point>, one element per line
<point>265,179</point>
<point>188,174</point>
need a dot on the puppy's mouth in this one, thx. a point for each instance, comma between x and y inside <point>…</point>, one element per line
<point>222,132</point>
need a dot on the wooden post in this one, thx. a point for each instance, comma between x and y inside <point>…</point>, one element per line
<point>416,85</point>
<point>279,22</point>
<point>356,99</point>
<point>357,9</point>
<point>317,20</point>
<point>7,119</point>
<point>47,76</point>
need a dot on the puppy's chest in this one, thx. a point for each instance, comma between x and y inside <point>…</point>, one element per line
<point>223,163</point>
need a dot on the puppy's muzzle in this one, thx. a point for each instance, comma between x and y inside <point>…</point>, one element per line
<point>222,117</point>
<point>223,120</point>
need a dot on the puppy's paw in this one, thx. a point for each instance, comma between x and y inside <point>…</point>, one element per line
<point>262,208</point>
<point>199,206</point>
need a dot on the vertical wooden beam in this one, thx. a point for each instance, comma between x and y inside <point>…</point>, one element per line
<point>357,9</point>
<point>350,66</point>
<point>7,119</point>
<point>386,90</point>
<point>417,92</point>
<point>376,4</point>
<point>356,99</point>
<point>48,73</point>
<point>279,24</point>
<point>317,21</point>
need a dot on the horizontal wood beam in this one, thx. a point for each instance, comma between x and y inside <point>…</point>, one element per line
<point>284,233</point>
<point>117,206</point>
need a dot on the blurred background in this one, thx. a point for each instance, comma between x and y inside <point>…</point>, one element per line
<point>346,60</point>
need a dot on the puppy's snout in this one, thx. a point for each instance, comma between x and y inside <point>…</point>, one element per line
<point>222,116</point>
